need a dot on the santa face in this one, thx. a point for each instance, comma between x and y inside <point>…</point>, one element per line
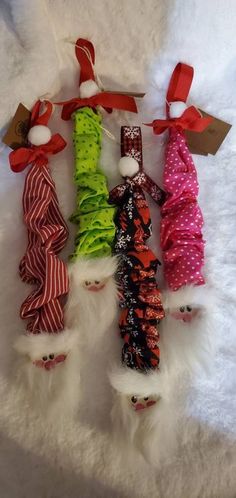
<point>94,285</point>
<point>185,313</point>
<point>140,403</point>
<point>50,361</point>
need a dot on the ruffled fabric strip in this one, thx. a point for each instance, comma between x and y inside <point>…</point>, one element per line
<point>141,307</point>
<point>182,221</point>
<point>40,266</point>
<point>93,214</point>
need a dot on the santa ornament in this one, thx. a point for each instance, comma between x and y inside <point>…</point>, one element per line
<point>188,300</point>
<point>93,294</point>
<point>137,382</point>
<point>47,350</point>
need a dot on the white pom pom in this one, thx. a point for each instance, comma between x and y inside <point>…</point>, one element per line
<point>128,166</point>
<point>88,89</point>
<point>39,135</point>
<point>177,108</point>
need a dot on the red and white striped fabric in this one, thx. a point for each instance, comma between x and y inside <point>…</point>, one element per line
<point>49,353</point>
<point>47,230</point>
<point>47,235</point>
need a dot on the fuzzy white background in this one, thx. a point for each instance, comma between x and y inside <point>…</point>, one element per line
<point>138,42</point>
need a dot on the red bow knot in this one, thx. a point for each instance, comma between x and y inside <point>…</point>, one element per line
<point>191,119</point>
<point>105,99</point>
<point>22,157</point>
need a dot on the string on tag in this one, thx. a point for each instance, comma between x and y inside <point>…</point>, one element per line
<point>109,134</point>
<point>46,96</point>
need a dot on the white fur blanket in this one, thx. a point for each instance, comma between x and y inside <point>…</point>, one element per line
<point>138,42</point>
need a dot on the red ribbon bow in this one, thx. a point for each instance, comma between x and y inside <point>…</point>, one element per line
<point>191,119</point>
<point>22,157</point>
<point>105,99</point>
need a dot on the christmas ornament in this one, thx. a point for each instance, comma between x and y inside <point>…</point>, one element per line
<point>93,296</point>
<point>188,300</point>
<point>138,382</point>
<point>47,350</point>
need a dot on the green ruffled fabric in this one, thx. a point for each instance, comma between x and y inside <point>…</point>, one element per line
<point>93,213</point>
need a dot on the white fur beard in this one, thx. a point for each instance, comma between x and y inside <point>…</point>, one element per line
<point>92,311</point>
<point>188,346</point>
<point>151,430</point>
<point>184,348</point>
<point>53,392</point>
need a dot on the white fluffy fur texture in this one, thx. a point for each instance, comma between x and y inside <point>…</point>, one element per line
<point>127,381</point>
<point>176,109</point>
<point>128,166</point>
<point>137,43</point>
<point>88,89</point>
<point>38,345</point>
<point>94,312</point>
<point>53,392</point>
<point>39,135</point>
<point>185,348</point>
<point>189,345</point>
<point>149,428</point>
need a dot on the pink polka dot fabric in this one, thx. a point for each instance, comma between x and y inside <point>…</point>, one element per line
<point>181,226</point>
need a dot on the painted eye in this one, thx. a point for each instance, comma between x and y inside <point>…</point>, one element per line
<point>134,399</point>
<point>189,308</point>
<point>87,282</point>
<point>146,398</point>
<point>97,282</point>
<point>181,309</point>
<point>51,356</point>
<point>44,358</point>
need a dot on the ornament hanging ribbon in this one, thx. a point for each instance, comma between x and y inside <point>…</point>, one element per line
<point>180,83</point>
<point>85,54</point>
<point>131,146</point>
<point>178,90</point>
<point>23,156</point>
<point>191,119</point>
<point>41,118</point>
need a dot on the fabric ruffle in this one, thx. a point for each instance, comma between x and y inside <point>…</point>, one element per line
<point>47,235</point>
<point>181,225</point>
<point>141,302</point>
<point>93,213</point>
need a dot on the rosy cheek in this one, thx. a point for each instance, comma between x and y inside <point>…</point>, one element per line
<point>151,403</point>
<point>39,363</point>
<point>177,315</point>
<point>60,358</point>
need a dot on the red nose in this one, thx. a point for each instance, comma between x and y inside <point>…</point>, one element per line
<point>96,288</point>
<point>49,364</point>
<point>139,406</point>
